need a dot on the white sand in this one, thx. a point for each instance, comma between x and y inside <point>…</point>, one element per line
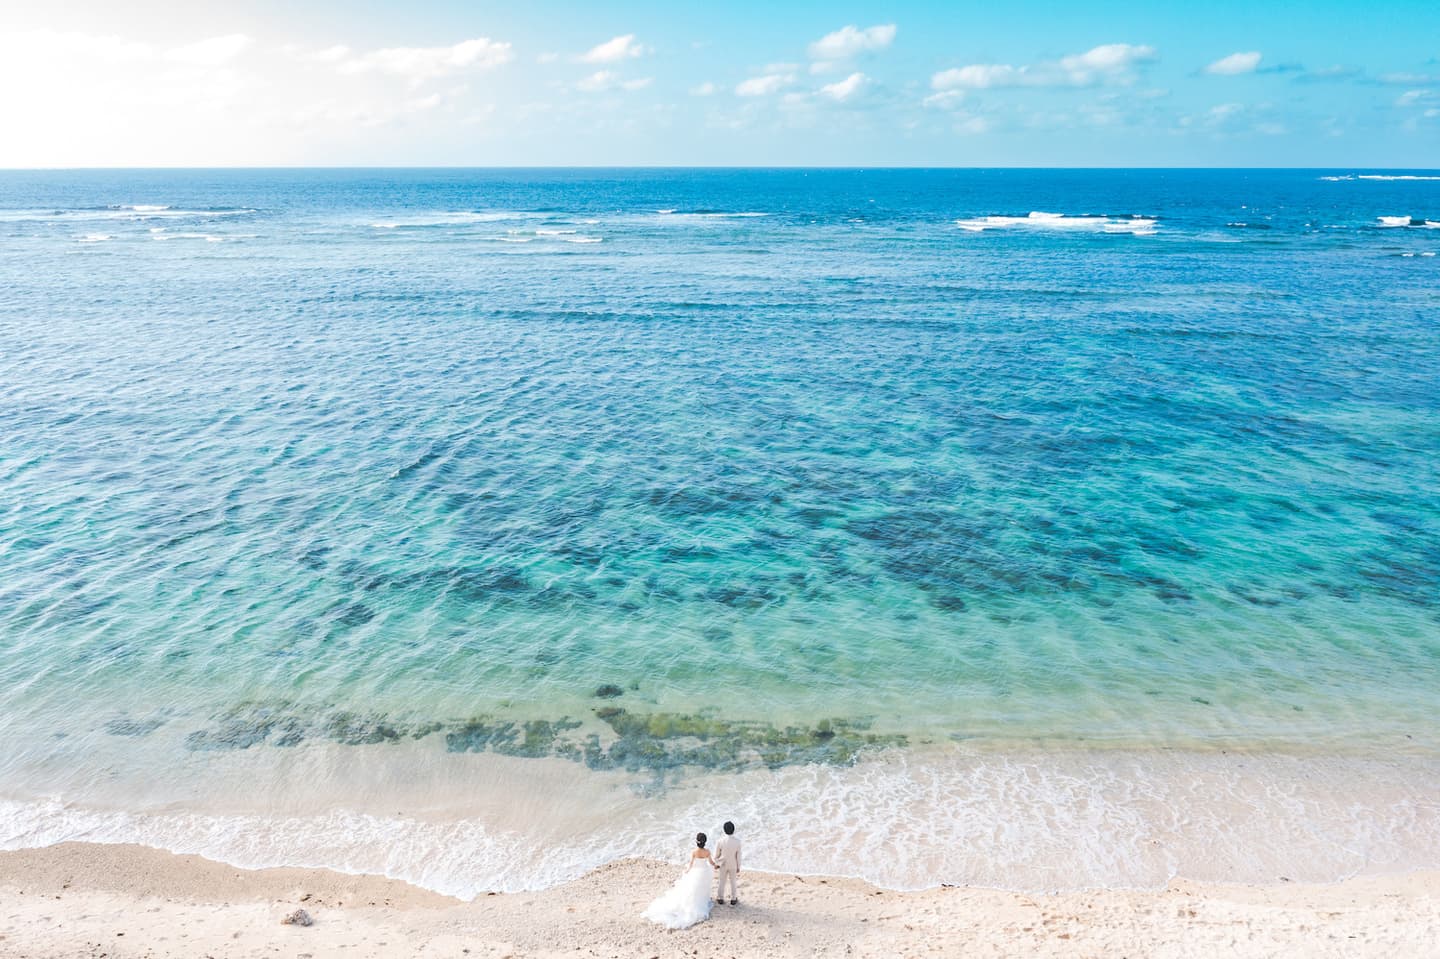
<point>117,901</point>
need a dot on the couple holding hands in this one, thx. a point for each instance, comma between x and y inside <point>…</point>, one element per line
<point>688,900</point>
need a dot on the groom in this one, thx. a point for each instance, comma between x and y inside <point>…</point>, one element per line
<point>727,864</point>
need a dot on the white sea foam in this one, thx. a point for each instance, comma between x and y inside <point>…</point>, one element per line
<point>712,215</point>
<point>1393,221</point>
<point>166,212</point>
<point>114,213</point>
<point>548,235</point>
<point>453,218</point>
<point>1020,821</point>
<point>94,238</point>
<point>1136,225</point>
<point>207,237</point>
<point>1377,176</point>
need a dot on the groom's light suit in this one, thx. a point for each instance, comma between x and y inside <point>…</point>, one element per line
<point>727,862</point>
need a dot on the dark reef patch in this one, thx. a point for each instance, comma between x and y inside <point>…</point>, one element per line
<point>653,742</point>
<point>532,739</point>
<point>133,727</point>
<point>660,741</point>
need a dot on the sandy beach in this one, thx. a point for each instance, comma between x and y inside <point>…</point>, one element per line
<point>120,901</point>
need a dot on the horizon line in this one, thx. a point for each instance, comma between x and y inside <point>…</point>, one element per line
<point>684,166</point>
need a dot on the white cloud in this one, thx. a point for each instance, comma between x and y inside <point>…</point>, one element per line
<point>977,76</point>
<point>1217,118</point>
<point>945,99</point>
<point>1338,71</point>
<point>421,104</point>
<point>850,41</point>
<point>706,89</point>
<point>418,64</point>
<point>605,80</point>
<point>234,98</point>
<point>546,57</point>
<point>1108,58</point>
<point>1108,63</point>
<point>843,90</point>
<point>211,52</point>
<point>1412,97</point>
<point>765,85</point>
<point>329,55</point>
<point>85,48</point>
<point>1235,64</point>
<point>614,50</point>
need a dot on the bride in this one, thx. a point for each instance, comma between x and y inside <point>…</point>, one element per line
<point>688,900</point>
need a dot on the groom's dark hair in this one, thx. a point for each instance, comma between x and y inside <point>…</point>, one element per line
<point>729,829</point>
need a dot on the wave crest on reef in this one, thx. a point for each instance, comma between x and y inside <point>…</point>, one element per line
<point>1136,224</point>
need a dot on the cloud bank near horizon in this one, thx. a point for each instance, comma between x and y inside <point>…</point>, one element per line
<point>252,96</point>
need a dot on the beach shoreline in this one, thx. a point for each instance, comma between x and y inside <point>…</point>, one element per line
<point>118,901</point>
<point>1027,821</point>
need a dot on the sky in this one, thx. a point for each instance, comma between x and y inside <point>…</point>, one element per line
<point>95,83</point>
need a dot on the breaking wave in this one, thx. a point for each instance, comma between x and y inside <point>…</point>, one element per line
<point>1136,225</point>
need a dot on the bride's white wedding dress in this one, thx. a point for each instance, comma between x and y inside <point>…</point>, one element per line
<point>687,901</point>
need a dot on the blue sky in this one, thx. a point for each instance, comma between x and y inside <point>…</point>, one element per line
<point>968,84</point>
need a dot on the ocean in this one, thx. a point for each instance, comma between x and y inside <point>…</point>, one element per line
<point>1028,528</point>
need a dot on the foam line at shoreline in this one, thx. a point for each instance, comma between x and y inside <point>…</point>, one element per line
<point>1025,823</point>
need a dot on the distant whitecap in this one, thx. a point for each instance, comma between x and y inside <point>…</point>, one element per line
<point>1136,225</point>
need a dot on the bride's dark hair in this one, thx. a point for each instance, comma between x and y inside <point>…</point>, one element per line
<point>700,839</point>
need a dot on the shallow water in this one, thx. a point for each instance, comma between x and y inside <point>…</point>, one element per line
<point>302,471</point>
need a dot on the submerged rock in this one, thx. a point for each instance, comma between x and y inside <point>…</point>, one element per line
<point>655,743</point>
<point>351,729</point>
<point>230,734</point>
<point>133,727</point>
<point>660,741</point>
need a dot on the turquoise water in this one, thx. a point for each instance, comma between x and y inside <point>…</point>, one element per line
<point>811,467</point>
